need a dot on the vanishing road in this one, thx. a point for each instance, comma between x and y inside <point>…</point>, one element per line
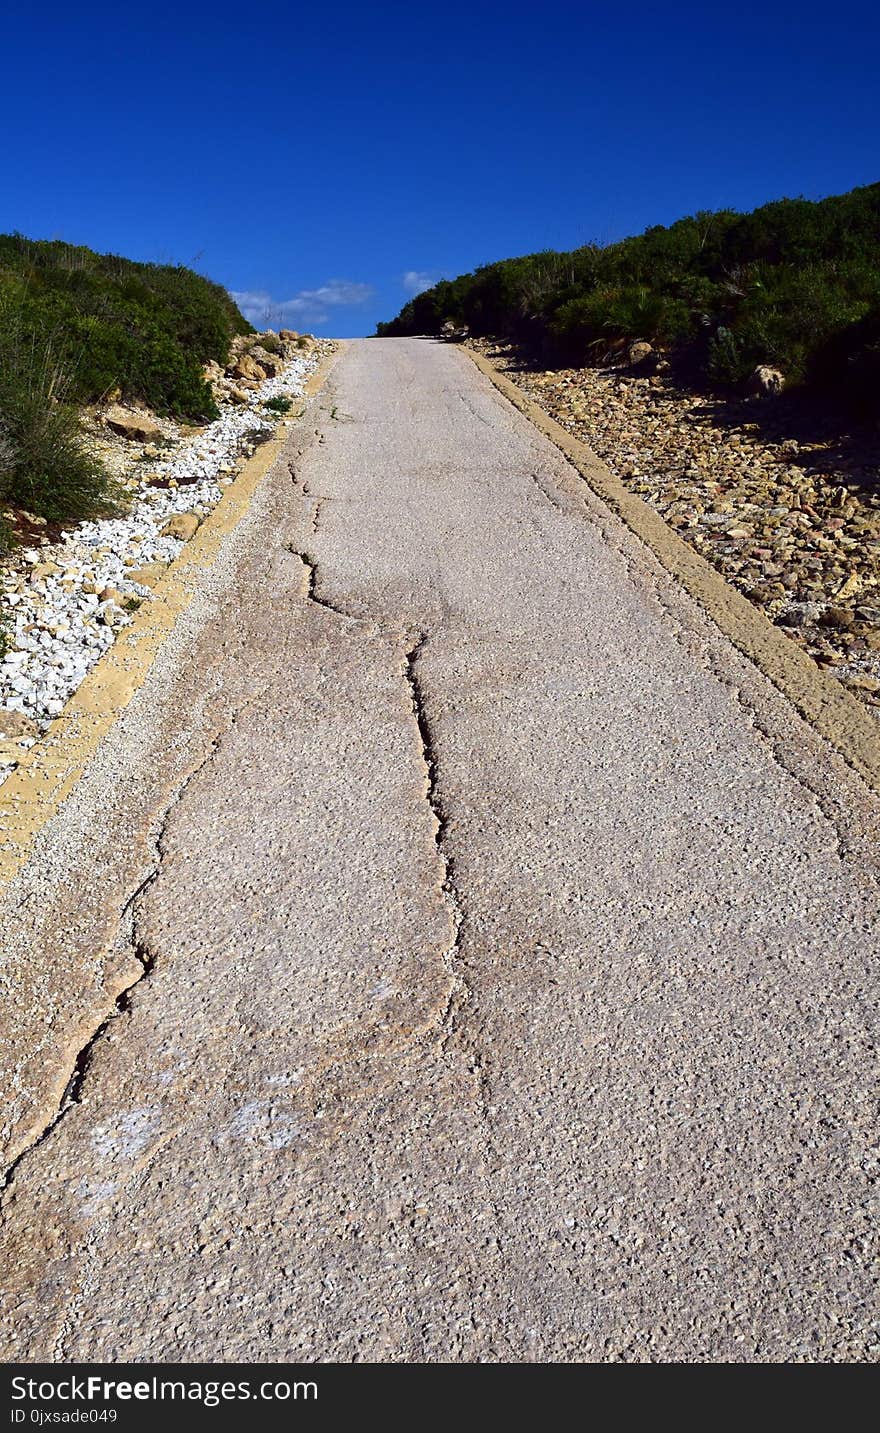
<point>497,941</point>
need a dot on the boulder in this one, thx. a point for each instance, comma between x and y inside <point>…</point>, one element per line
<point>453,333</point>
<point>41,570</point>
<point>140,427</point>
<point>14,725</point>
<point>181,525</point>
<point>766,382</point>
<point>150,575</point>
<point>288,334</point>
<point>246,367</point>
<point>271,363</point>
<point>639,351</point>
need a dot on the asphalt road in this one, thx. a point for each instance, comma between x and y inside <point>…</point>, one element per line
<point>503,970</point>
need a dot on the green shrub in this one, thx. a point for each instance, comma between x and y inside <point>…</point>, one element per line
<point>849,361</point>
<point>727,360</point>
<point>271,342</point>
<point>147,329</point>
<point>792,284</point>
<point>45,465</point>
<point>278,404</point>
<point>630,312</point>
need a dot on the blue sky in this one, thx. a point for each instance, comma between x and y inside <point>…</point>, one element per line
<point>327,160</point>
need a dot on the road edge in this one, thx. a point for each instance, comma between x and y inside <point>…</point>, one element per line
<point>820,699</point>
<point>51,768</point>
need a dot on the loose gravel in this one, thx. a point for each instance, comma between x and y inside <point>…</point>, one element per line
<point>66,601</point>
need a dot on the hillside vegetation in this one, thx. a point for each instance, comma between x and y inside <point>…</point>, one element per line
<point>77,327</point>
<point>794,285</point>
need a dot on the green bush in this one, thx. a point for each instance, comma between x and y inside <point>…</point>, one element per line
<point>146,329</point>
<point>278,404</point>
<point>45,465</point>
<point>851,359</point>
<point>793,284</point>
<point>271,342</point>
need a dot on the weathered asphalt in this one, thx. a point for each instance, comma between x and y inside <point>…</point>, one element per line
<point>502,979</point>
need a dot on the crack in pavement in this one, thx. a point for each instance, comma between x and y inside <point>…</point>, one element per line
<point>318,500</point>
<point>460,989</point>
<point>459,992</point>
<point>311,594</point>
<point>146,958</point>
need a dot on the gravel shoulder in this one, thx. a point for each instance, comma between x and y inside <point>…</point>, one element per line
<point>67,594</point>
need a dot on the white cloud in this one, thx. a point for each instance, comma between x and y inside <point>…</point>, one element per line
<point>416,281</point>
<point>309,307</point>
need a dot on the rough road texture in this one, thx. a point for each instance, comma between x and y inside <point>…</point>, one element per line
<point>500,965</point>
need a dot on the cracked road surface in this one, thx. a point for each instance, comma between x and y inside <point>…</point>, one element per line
<point>457,952</point>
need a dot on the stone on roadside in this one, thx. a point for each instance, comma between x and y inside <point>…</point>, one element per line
<point>850,587</point>
<point>150,575</point>
<point>270,363</point>
<point>639,351</point>
<point>246,367</point>
<point>111,613</point>
<point>181,525</point>
<point>137,426</point>
<point>14,725</point>
<point>836,617</point>
<point>766,382</point>
<point>41,570</point>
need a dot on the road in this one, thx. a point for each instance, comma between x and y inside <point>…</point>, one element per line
<point>500,976</point>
